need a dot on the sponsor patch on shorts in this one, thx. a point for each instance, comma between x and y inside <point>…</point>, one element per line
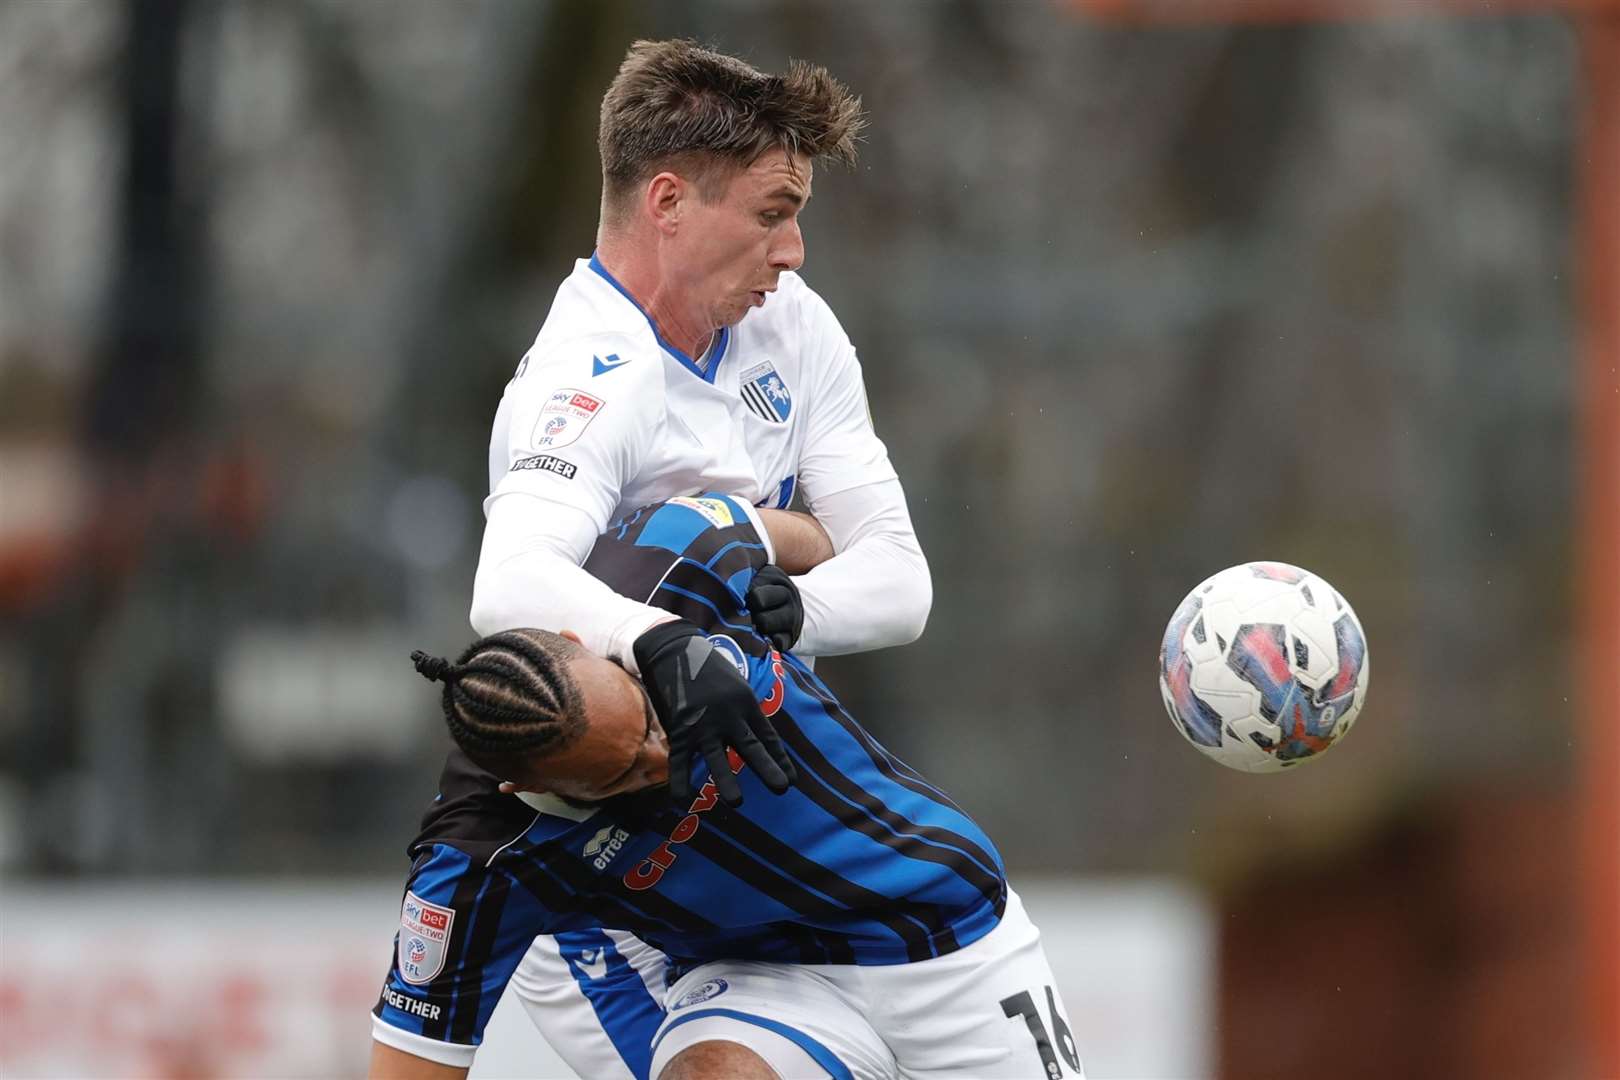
<point>709,990</point>
<point>547,463</point>
<point>564,418</point>
<point>424,938</point>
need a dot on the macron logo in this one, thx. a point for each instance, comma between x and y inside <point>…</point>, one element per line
<point>601,365</point>
<point>593,962</point>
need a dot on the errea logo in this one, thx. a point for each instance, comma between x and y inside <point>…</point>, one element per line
<point>602,848</point>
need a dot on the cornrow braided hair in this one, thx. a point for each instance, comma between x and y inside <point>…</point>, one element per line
<point>509,693</point>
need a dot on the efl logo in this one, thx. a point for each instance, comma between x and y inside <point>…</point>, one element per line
<point>564,417</point>
<point>423,940</point>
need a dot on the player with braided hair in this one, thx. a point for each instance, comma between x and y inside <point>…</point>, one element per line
<point>507,697</point>
<point>858,925</point>
<point>514,704</point>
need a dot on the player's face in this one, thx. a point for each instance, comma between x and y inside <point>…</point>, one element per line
<point>623,748</point>
<point>733,250</point>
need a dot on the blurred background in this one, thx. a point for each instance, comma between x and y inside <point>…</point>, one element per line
<point>1141,291</point>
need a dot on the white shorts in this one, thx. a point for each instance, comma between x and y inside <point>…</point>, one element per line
<point>597,996</point>
<point>985,1012</point>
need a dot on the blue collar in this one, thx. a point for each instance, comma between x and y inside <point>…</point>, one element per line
<point>721,340</point>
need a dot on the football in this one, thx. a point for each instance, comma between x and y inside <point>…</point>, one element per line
<point>1263,667</point>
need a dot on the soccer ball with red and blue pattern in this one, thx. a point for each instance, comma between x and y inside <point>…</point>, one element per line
<point>1263,667</point>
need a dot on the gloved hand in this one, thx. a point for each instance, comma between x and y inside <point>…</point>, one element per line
<point>777,610</point>
<point>704,704</point>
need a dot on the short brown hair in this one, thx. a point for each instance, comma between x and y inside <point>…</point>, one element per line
<point>677,103</point>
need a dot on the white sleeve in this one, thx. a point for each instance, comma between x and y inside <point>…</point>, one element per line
<point>529,575</point>
<point>876,591</point>
<point>575,435</point>
<point>840,448</point>
<point>572,442</point>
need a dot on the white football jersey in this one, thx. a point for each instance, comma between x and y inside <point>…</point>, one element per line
<point>603,415</point>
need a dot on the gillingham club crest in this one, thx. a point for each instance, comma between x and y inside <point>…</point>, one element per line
<point>765,394</point>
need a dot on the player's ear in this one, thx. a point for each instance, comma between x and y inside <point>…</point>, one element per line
<point>662,200</point>
<point>509,787</point>
<point>575,638</point>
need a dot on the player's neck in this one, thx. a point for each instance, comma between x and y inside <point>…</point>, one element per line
<point>670,318</point>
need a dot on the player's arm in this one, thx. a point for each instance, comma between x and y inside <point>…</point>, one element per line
<point>453,952</point>
<point>388,1063</point>
<point>876,591</point>
<point>775,605</point>
<point>798,540</point>
<point>529,574</point>
<point>573,439</point>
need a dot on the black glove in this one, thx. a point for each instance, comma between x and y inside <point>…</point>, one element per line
<point>704,703</point>
<point>774,603</point>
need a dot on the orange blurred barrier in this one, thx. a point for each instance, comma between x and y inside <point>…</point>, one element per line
<point>1598,567</point>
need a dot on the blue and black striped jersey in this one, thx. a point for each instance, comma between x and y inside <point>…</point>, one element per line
<point>862,861</point>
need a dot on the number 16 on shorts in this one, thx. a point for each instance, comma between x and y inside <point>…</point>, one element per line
<point>1022,1004</point>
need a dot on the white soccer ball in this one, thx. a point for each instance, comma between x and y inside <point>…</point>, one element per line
<point>1263,667</point>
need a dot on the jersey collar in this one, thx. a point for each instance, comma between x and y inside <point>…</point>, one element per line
<point>721,339</point>
<point>551,804</point>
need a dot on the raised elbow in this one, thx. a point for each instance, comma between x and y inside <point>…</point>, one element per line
<point>911,616</point>
<point>492,609</point>
<point>485,615</point>
<point>907,599</point>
